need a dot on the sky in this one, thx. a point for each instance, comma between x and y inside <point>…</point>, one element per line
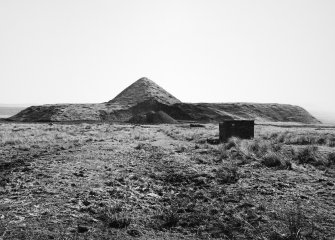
<point>82,51</point>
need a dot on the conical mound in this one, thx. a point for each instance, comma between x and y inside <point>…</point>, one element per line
<point>142,90</point>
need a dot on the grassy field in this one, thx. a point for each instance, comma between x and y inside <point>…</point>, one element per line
<point>102,181</point>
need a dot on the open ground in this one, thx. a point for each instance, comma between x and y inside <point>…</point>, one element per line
<point>119,181</point>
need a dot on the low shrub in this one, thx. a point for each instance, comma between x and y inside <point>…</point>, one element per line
<point>223,151</point>
<point>331,159</point>
<point>301,140</point>
<point>114,217</point>
<point>297,225</point>
<point>227,174</point>
<point>321,140</point>
<point>331,142</point>
<point>273,135</point>
<point>311,155</point>
<point>181,211</point>
<point>170,216</point>
<point>140,146</point>
<point>259,148</point>
<point>180,149</point>
<point>177,177</point>
<point>118,221</point>
<point>12,142</point>
<point>282,137</point>
<point>277,147</point>
<point>272,159</point>
<point>307,155</point>
<point>233,142</point>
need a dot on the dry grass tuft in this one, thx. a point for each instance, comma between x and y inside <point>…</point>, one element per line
<point>272,159</point>
<point>115,217</point>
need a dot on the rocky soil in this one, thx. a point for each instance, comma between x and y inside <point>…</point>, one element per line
<point>109,181</point>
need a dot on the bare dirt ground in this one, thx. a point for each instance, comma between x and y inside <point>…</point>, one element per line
<point>103,181</point>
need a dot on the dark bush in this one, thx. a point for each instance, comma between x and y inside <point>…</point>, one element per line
<point>114,217</point>
<point>331,159</point>
<point>272,159</point>
<point>277,147</point>
<point>118,221</point>
<point>321,141</point>
<point>307,155</point>
<point>227,174</point>
<point>331,142</point>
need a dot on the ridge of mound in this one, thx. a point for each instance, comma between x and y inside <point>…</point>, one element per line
<point>142,90</point>
<point>216,112</point>
<point>61,112</point>
<point>261,112</point>
<point>199,112</point>
<point>152,117</point>
<point>144,96</point>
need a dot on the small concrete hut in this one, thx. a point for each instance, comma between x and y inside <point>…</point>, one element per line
<point>236,128</point>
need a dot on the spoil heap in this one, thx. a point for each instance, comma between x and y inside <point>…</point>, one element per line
<point>152,117</point>
<point>144,96</point>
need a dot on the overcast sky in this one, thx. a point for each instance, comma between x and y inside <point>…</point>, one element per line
<point>82,51</point>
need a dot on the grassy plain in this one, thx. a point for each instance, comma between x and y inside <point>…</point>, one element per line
<point>109,181</point>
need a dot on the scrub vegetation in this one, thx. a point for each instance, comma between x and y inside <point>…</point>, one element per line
<point>119,181</point>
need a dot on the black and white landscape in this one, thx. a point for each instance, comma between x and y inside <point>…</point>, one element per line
<point>180,119</point>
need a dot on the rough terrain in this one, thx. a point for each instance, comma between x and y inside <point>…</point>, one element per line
<point>112,181</point>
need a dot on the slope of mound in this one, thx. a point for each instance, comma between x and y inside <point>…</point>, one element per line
<point>181,111</point>
<point>152,117</point>
<point>209,112</point>
<point>140,91</point>
<point>61,112</point>
<point>263,112</point>
<point>144,96</point>
<point>200,112</point>
<point>215,112</point>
